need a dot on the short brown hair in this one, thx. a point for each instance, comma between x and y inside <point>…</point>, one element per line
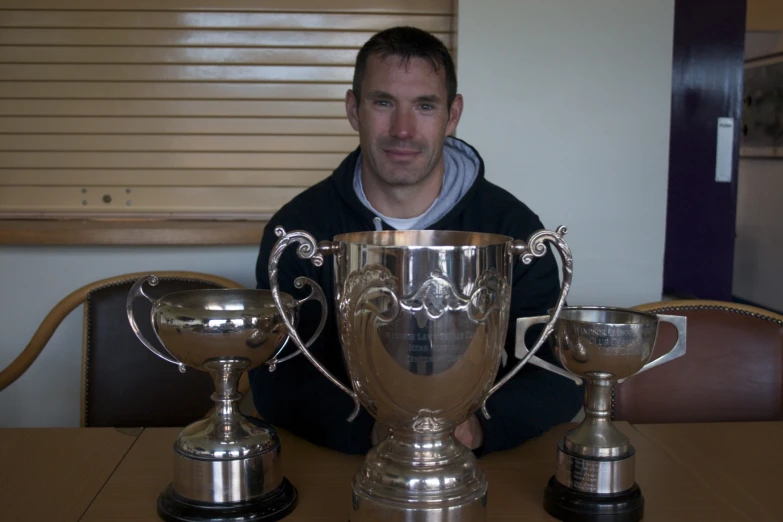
<point>407,42</point>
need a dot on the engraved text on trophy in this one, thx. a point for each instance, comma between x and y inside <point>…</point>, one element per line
<point>437,324</point>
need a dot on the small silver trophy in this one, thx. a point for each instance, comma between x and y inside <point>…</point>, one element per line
<point>422,319</point>
<point>595,478</point>
<point>226,466</point>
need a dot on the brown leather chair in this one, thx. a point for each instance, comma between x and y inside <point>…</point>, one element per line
<point>732,369</point>
<point>123,383</point>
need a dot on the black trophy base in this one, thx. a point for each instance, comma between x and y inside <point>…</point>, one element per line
<point>570,505</point>
<point>174,508</point>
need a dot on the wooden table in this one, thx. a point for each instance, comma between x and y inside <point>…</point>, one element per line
<point>740,463</point>
<point>56,473</point>
<point>687,472</point>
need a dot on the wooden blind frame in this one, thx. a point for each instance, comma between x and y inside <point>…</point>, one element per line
<point>180,108</point>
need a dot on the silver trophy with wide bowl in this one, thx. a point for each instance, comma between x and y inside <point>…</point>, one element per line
<point>422,319</point>
<point>602,347</point>
<point>227,466</point>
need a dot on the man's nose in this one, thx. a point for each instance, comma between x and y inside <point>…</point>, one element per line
<point>402,124</point>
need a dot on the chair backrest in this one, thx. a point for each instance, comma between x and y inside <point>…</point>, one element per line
<point>125,384</point>
<point>732,369</point>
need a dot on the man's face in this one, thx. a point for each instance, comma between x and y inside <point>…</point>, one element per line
<point>402,118</point>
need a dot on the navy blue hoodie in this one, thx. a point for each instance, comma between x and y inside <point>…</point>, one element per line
<point>298,398</point>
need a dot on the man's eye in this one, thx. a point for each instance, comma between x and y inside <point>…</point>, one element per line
<point>382,103</point>
<point>427,107</point>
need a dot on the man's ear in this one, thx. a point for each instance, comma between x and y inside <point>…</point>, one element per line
<point>455,113</point>
<point>352,109</point>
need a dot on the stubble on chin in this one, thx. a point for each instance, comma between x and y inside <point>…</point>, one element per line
<point>399,176</point>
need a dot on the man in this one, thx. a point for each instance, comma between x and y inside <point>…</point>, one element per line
<point>408,173</point>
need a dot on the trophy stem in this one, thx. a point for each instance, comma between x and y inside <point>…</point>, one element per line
<point>596,435</point>
<point>598,397</point>
<point>420,448</point>
<point>225,374</point>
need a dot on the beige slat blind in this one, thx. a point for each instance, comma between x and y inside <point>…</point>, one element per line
<point>185,108</point>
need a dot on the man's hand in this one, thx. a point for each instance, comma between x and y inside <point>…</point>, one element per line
<point>470,433</point>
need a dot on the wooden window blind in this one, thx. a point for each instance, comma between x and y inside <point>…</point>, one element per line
<point>180,108</point>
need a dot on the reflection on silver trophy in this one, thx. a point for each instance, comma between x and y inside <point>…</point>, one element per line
<point>422,319</point>
<point>226,466</point>
<point>595,478</point>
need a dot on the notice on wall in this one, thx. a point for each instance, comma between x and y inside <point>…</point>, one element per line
<point>725,154</point>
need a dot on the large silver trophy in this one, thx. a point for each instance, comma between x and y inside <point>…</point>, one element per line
<point>226,466</point>
<point>422,319</point>
<point>602,346</point>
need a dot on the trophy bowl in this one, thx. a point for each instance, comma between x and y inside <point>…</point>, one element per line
<point>605,340</point>
<point>601,346</point>
<point>422,319</point>
<point>197,326</point>
<point>227,466</point>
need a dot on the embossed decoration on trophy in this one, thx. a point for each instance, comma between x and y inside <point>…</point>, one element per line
<point>422,318</point>
<point>227,467</point>
<point>594,478</point>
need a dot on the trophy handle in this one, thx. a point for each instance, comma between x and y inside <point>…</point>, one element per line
<point>137,291</point>
<point>308,249</point>
<point>680,322</point>
<point>523,323</point>
<point>536,247</point>
<point>317,294</point>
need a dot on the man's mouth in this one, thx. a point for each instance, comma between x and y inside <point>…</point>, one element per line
<point>401,153</point>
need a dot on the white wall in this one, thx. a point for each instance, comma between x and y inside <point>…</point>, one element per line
<point>569,104</point>
<point>34,279</point>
